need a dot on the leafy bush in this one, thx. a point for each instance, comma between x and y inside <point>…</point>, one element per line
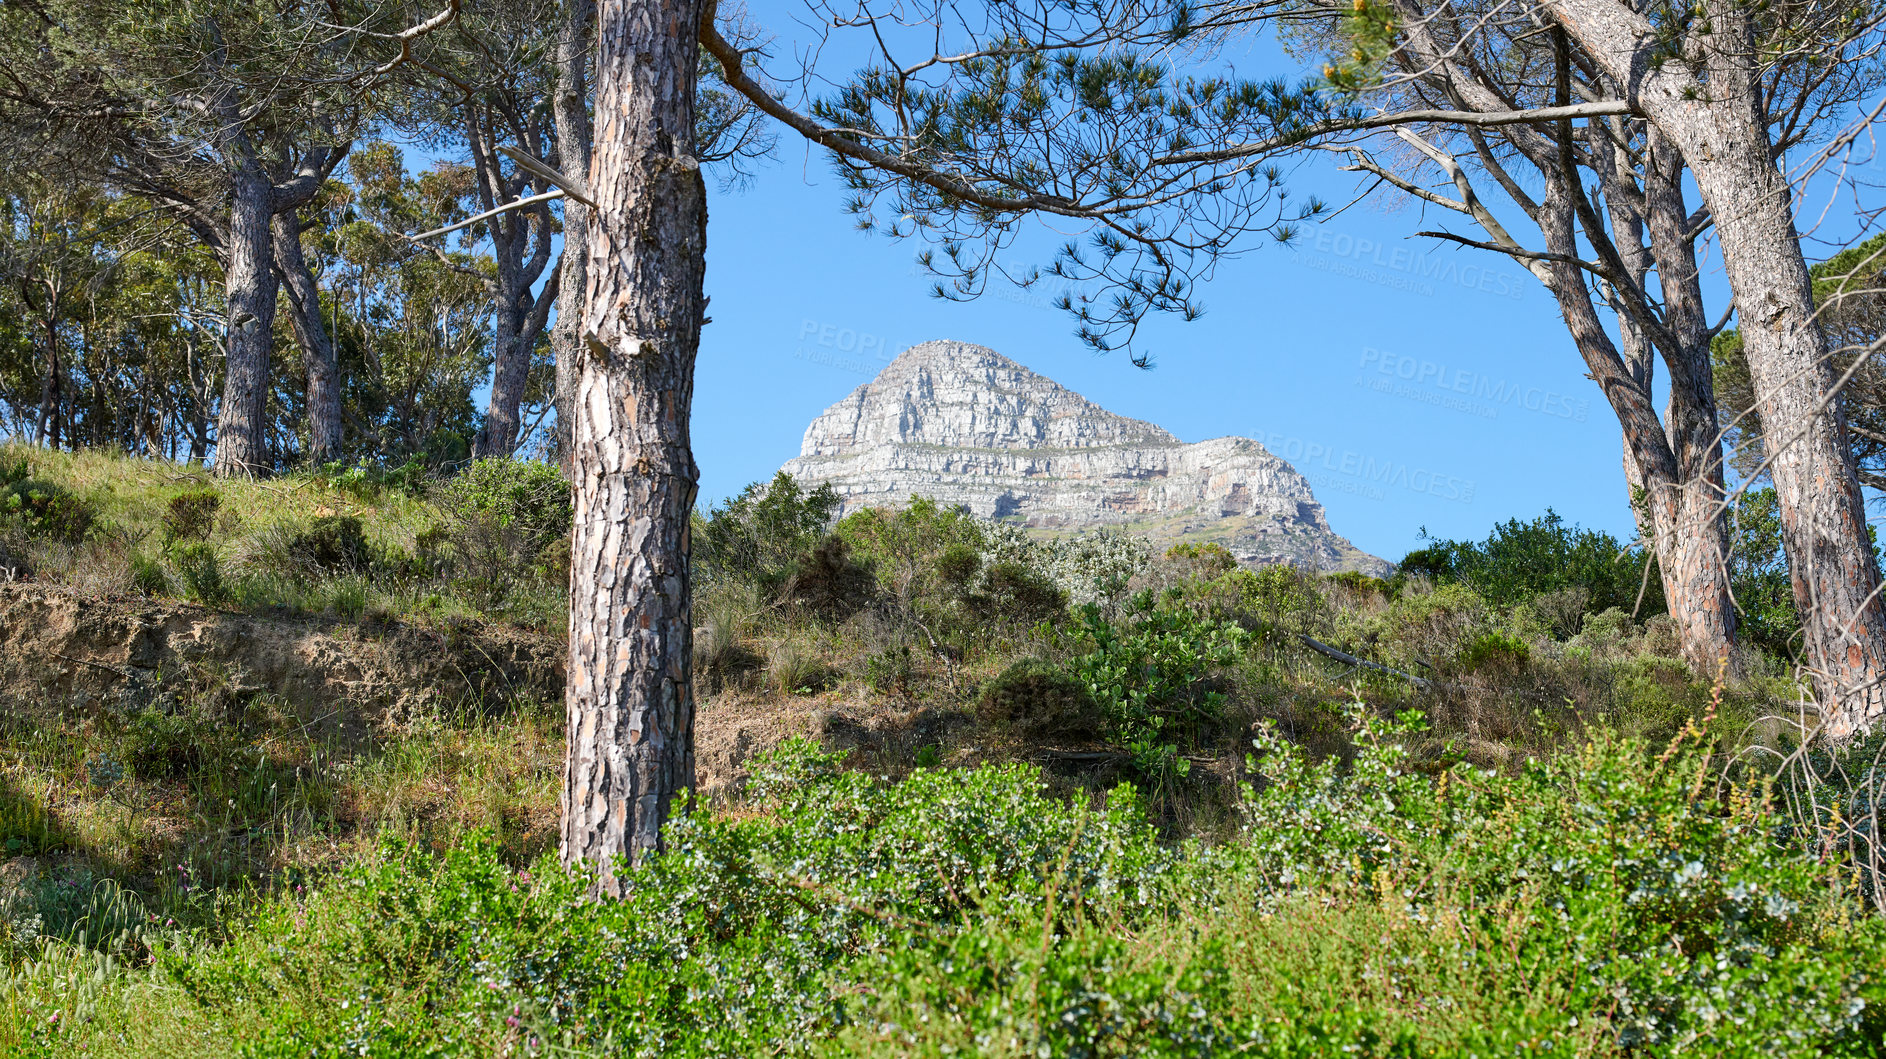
<point>191,515</point>
<point>1091,568</point>
<point>526,496</point>
<point>906,548</point>
<point>759,536</point>
<point>165,745</point>
<point>39,508</point>
<point>508,532</point>
<point>1591,904</point>
<point>1017,594</point>
<point>1520,561</point>
<point>368,482</point>
<point>746,930</point>
<point>1495,650</point>
<point>333,544</point>
<point>1673,920</point>
<point>825,582</point>
<point>891,671</point>
<point>1038,699</point>
<point>201,572</point>
<point>1151,677</point>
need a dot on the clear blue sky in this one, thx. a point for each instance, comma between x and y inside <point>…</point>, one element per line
<point>1333,351</point>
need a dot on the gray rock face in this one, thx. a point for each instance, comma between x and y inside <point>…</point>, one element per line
<point>963,424</point>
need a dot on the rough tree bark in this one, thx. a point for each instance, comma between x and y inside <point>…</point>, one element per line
<point>1716,121</point>
<point>570,108</point>
<point>317,346</point>
<point>629,700</point>
<point>250,286</point>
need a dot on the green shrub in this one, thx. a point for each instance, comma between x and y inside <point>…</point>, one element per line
<point>1016,594</point>
<point>191,515</point>
<point>527,496</point>
<point>1360,583</point>
<point>890,671</point>
<point>1090,568</point>
<point>906,548</point>
<point>332,544</point>
<point>1037,699</point>
<point>1495,650</point>
<point>201,572</point>
<point>760,536</point>
<point>1151,677</point>
<point>165,745</point>
<point>1522,560</point>
<point>41,509</point>
<point>747,933</point>
<point>826,582</point>
<point>1591,904</point>
<point>148,576</point>
<point>368,483</point>
<point>957,563</point>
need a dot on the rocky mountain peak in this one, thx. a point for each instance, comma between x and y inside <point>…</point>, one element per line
<point>963,424</point>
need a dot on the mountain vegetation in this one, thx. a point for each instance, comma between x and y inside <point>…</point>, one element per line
<point>340,715</point>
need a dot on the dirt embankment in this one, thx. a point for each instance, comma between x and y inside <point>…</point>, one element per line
<point>80,652</point>
<point>61,651</point>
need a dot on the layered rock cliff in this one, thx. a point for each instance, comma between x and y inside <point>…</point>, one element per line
<point>963,424</point>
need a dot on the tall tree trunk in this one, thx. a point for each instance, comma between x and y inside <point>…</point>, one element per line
<point>1717,125</point>
<point>242,424</point>
<point>317,346</point>
<point>570,107</point>
<point>629,695</point>
<point>510,368</point>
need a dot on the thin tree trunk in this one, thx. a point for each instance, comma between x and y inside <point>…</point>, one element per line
<point>570,107</point>
<point>49,389</point>
<point>510,367</point>
<point>311,334</point>
<point>241,426</point>
<point>1716,123</point>
<point>629,698</point>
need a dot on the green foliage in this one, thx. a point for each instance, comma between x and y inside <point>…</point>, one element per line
<point>191,515</point>
<point>508,532</point>
<point>905,548</point>
<point>369,482</point>
<point>1016,594</point>
<point>1674,917</point>
<point>1360,583</point>
<point>1758,575</point>
<point>1595,903</point>
<point>759,536</point>
<point>1495,650</point>
<point>1091,568</point>
<point>825,582</point>
<point>201,572</point>
<point>40,508</point>
<point>1204,561</point>
<point>745,930</point>
<point>334,544</point>
<point>1521,561</point>
<point>526,495</point>
<point>1038,699</point>
<point>1151,677</point>
<point>890,671</point>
